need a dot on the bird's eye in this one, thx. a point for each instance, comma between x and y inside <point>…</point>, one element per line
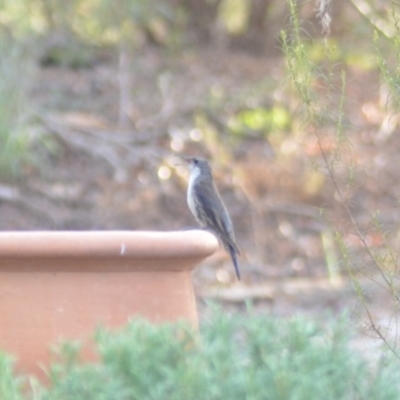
<point>196,161</point>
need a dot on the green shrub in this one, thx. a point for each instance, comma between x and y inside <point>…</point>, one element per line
<point>234,357</point>
<point>10,387</point>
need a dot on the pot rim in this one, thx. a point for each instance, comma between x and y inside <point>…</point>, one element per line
<point>191,244</point>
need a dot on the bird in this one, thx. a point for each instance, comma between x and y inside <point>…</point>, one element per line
<point>207,207</point>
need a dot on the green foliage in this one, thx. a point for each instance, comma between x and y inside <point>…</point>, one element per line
<point>15,77</point>
<point>112,21</point>
<point>318,85</point>
<point>10,387</point>
<point>86,382</point>
<point>388,62</point>
<point>234,15</point>
<point>262,120</point>
<point>303,71</point>
<point>71,54</point>
<point>151,367</point>
<point>97,21</point>
<point>233,357</point>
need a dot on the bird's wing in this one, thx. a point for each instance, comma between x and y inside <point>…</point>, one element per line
<point>209,199</point>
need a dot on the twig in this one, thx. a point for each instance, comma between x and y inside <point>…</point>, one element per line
<point>85,144</point>
<point>124,84</point>
<point>380,24</point>
<point>352,220</point>
<point>239,294</point>
<point>106,144</point>
<point>13,195</point>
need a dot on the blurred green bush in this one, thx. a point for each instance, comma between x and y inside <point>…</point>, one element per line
<point>234,357</point>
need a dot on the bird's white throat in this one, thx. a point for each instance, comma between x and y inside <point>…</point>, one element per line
<point>194,175</point>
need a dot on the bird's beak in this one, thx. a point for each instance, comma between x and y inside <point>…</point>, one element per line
<point>183,158</point>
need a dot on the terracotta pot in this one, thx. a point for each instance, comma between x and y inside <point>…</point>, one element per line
<point>58,286</point>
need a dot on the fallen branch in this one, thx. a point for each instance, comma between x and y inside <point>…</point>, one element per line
<point>14,196</point>
<point>268,291</point>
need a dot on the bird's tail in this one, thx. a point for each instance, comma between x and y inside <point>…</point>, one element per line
<point>233,253</point>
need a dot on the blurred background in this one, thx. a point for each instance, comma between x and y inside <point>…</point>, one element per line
<point>294,103</point>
